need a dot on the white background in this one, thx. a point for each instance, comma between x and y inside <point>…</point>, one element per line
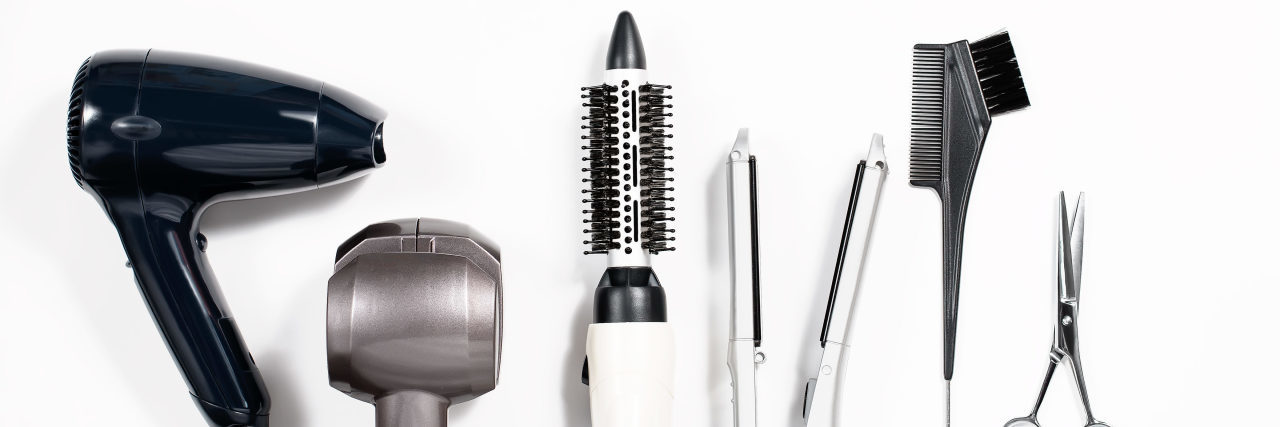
<point>1164,114</point>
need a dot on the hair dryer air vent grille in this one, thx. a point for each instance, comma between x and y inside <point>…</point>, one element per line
<point>75,117</point>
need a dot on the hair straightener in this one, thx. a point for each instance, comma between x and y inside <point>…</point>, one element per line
<point>744,290</point>
<point>156,137</point>
<point>822,391</point>
<point>630,348</point>
<point>956,89</point>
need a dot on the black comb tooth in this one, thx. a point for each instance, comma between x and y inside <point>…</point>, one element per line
<point>655,200</point>
<point>927,80</point>
<point>997,68</point>
<point>602,169</point>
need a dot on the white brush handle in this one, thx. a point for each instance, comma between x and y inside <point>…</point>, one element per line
<point>631,367</point>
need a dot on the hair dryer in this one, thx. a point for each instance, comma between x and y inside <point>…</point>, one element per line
<point>156,137</point>
<point>415,319</point>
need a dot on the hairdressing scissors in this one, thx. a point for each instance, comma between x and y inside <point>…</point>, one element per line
<point>1066,337</point>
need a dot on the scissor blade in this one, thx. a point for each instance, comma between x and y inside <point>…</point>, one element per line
<point>1077,246</point>
<point>1066,268</point>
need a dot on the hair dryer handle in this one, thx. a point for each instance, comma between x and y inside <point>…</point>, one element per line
<point>169,264</point>
<point>632,372</point>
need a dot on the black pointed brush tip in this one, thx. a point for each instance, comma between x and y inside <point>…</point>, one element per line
<point>626,51</point>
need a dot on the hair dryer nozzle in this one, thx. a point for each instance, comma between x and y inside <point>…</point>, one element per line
<point>348,136</point>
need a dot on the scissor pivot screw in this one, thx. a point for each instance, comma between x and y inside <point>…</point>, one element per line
<point>1066,320</point>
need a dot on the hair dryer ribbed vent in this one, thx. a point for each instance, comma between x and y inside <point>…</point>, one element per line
<point>75,113</point>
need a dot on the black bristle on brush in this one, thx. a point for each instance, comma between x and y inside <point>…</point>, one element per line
<point>655,204</point>
<point>997,68</point>
<point>615,166</point>
<point>602,168</point>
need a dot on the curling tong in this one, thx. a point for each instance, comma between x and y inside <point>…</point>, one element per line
<point>823,388</point>
<point>630,363</point>
<point>744,292</point>
<point>1065,335</point>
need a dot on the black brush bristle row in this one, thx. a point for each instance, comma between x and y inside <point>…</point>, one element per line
<point>927,85</point>
<point>602,168</point>
<point>997,68</point>
<point>655,183</point>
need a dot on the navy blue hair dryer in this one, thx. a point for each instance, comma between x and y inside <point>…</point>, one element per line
<point>156,137</point>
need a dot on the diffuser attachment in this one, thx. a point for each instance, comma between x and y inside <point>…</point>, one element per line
<point>415,319</point>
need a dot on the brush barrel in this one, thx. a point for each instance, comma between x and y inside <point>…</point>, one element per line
<point>628,188</point>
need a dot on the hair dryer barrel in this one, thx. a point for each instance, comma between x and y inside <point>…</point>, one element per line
<point>222,126</point>
<point>158,136</point>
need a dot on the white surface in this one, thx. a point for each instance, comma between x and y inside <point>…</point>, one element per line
<point>1163,114</point>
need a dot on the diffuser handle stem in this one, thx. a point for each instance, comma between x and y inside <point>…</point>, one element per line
<point>411,408</point>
